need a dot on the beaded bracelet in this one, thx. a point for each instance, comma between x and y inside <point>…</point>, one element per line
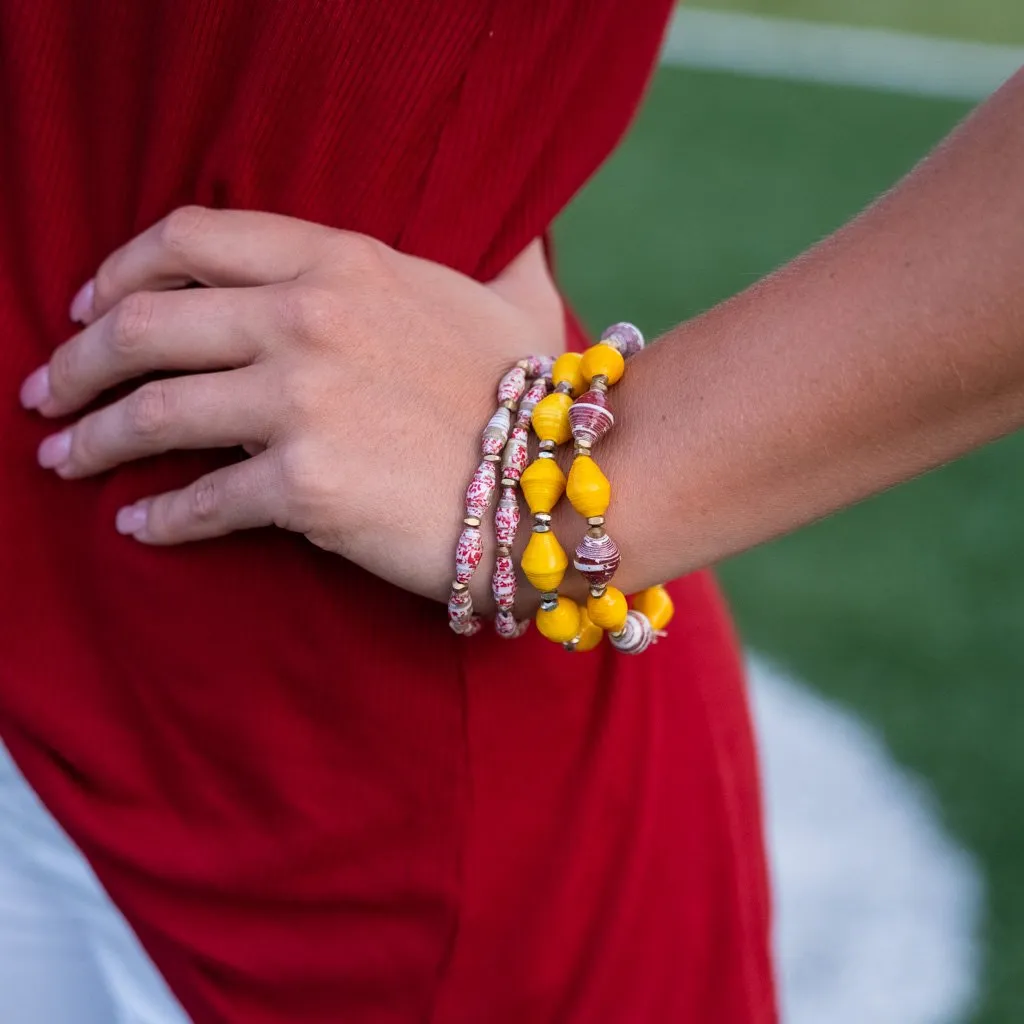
<point>587,420</point>
<point>500,442</point>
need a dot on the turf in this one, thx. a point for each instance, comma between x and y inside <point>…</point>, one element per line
<point>990,21</point>
<point>908,607</point>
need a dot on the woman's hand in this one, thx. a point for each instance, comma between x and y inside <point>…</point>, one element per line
<point>361,377</point>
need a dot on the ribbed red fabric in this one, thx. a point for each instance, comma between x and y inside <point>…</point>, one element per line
<point>312,801</point>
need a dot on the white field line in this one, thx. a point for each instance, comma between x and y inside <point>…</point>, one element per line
<point>838,54</point>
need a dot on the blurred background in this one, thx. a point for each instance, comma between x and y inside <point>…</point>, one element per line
<point>905,784</point>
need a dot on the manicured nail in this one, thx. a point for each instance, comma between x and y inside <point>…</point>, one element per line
<point>55,449</point>
<point>36,388</point>
<point>131,519</point>
<point>81,304</point>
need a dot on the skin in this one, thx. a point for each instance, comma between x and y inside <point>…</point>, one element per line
<point>891,347</point>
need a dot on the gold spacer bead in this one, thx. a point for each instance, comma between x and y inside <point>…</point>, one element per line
<point>458,587</point>
<point>505,482</point>
<point>509,404</point>
<point>523,364</point>
<point>571,645</point>
<point>546,446</point>
<point>503,550</point>
<point>542,528</point>
<point>471,521</point>
<point>563,387</point>
<point>598,591</point>
<point>595,521</point>
<point>492,458</point>
<point>543,517</point>
<point>599,382</point>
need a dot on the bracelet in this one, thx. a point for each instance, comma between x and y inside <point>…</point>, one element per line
<point>496,445</point>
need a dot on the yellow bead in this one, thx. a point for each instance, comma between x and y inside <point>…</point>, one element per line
<point>656,604</point>
<point>561,623</point>
<point>609,610</point>
<point>551,418</point>
<point>544,561</point>
<point>602,360</point>
<point>543,483</point>
<point>567,371</point>
<point>588,488</point>
<point>589,634</point>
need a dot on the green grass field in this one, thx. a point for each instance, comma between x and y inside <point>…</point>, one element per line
<point>908,607</point>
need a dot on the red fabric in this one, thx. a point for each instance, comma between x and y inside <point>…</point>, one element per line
<point>312,801</point>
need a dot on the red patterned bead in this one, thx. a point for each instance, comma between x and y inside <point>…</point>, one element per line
<point>538,389</point>
<point>460,610</point>
<point>590,417</point>
<point>537,366</point>
<point>506,517</point>
<point>506,626</point>
<point>635,636</point>
<point>517,453</point>
<point>481,489</point>
<point>597,557</point>
<point>503,583</point>
<point>468,553</point>
<point>625,337</point>
<point>496,432</point>
<point>512,385</point>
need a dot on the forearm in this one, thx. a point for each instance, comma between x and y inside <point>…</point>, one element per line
<point>890,348</point>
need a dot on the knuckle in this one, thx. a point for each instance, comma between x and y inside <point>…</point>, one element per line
<point>84,451</point>
<point>182,226</point>
<point>308,312</point>
<point>204,499</point>
<point>148,409</point>
<point>361,252</point>
<point>105,283</point>
<point>130,322</point>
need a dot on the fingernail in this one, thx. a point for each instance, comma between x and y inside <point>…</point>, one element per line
<point>131,519</point>
<point>36,388</point>
<point>55,449</point>
<point>81,304</point>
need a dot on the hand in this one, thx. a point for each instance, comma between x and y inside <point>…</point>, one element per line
<point>360,376</point>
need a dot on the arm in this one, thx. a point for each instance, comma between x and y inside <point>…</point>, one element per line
<point>893,346</point>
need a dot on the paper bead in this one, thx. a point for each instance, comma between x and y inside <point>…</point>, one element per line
<point>544,561</point>
<point>567,371</point>
<point>589,635</point>
<point>503,583</point>
<point>602,360</point>
<point>561,623</point>
<point>516,454</point>
<point>506,517</point>
<point>468,554</point>
<point>538,389</point>
<point>481,489</point>
<point>543,483</point>
<point>590,418</point>
<point>609,611</point>
<point>512,385</point>
<point>624,337</point>
<point>460,612</point>
<point>551,418</point>
<point>496,432</point>
<point>597,557</point>
<point>588,488</point>
<point>635,636</point>
<point>656,605</point>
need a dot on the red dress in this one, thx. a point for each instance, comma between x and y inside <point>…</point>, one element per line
<point>312,801</point>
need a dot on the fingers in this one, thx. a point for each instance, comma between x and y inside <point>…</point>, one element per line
<point>199,329</point>
<point>221,248</point>
<point>239,497</point>
<point>215,410</point>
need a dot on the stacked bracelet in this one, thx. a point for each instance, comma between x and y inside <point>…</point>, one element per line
<point>576,408</point>
<point>505,444</point>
